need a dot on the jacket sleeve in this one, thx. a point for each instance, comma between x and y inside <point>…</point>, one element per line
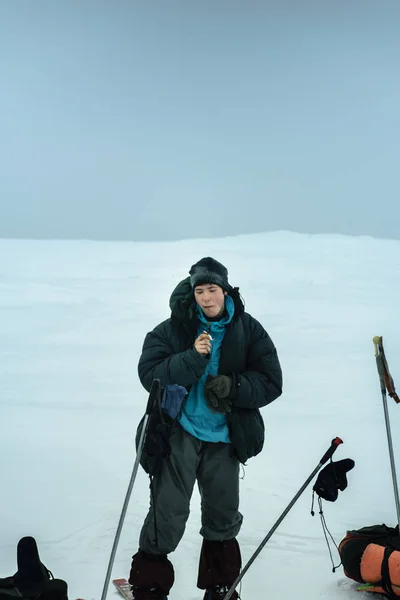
<point>261,383</point>
<point>159,361</point>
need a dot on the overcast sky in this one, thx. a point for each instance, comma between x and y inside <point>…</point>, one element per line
<point>146,119</point>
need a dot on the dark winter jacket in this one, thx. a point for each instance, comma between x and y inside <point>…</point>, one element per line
<point>247,353</point>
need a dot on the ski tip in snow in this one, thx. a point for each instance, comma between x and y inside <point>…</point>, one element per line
<point>124,588</point>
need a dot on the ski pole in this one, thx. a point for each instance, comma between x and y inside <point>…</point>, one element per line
<point>328,454</point>
<point>387,382</point>
<point>154,393</point>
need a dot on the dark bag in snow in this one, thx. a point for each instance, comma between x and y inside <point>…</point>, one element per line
<point>32,581</point>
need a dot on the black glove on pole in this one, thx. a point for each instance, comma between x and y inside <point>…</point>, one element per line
<point>328,454</point>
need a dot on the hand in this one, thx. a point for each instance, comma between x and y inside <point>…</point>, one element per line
<point>217,391</point>
<point>203,344</point>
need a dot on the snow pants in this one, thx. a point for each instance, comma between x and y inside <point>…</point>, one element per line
<point>217,475</point>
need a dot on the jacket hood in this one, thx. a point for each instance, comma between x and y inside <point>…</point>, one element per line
<point>183,304</point>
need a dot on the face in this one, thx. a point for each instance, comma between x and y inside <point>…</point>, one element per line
<point>210,298</point>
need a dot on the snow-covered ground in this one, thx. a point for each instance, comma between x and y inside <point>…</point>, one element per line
<point>73,316</point>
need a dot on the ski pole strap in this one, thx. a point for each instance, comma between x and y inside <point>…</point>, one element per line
<point>385,377</point>
<point>386,582</point>
<point>328,454</point>
<point>155,395</point>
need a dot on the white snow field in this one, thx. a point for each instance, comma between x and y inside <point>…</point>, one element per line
<point>73,316</point>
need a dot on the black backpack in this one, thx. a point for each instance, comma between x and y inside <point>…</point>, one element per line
<point>32,581</point>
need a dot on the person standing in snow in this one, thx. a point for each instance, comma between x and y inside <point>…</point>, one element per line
<point>229,367</point>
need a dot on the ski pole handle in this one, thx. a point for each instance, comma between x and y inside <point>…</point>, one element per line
<point>155,388</point>
<point>328,454</point>
<point>377,340</point>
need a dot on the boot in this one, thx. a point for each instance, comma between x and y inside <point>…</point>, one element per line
<point>32,575</point>
<point>219,592</point>
<point>148,595</point>
<point>219,566</point>
<point>151,576</point>
<point>33,579</point>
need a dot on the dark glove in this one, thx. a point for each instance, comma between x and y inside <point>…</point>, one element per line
<point>217,391</point>
<point>156,445</point>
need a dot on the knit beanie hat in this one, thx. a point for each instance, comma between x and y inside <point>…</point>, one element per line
<point>209,270</point>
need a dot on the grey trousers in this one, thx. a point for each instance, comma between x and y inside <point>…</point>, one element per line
<point>217,475</point>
